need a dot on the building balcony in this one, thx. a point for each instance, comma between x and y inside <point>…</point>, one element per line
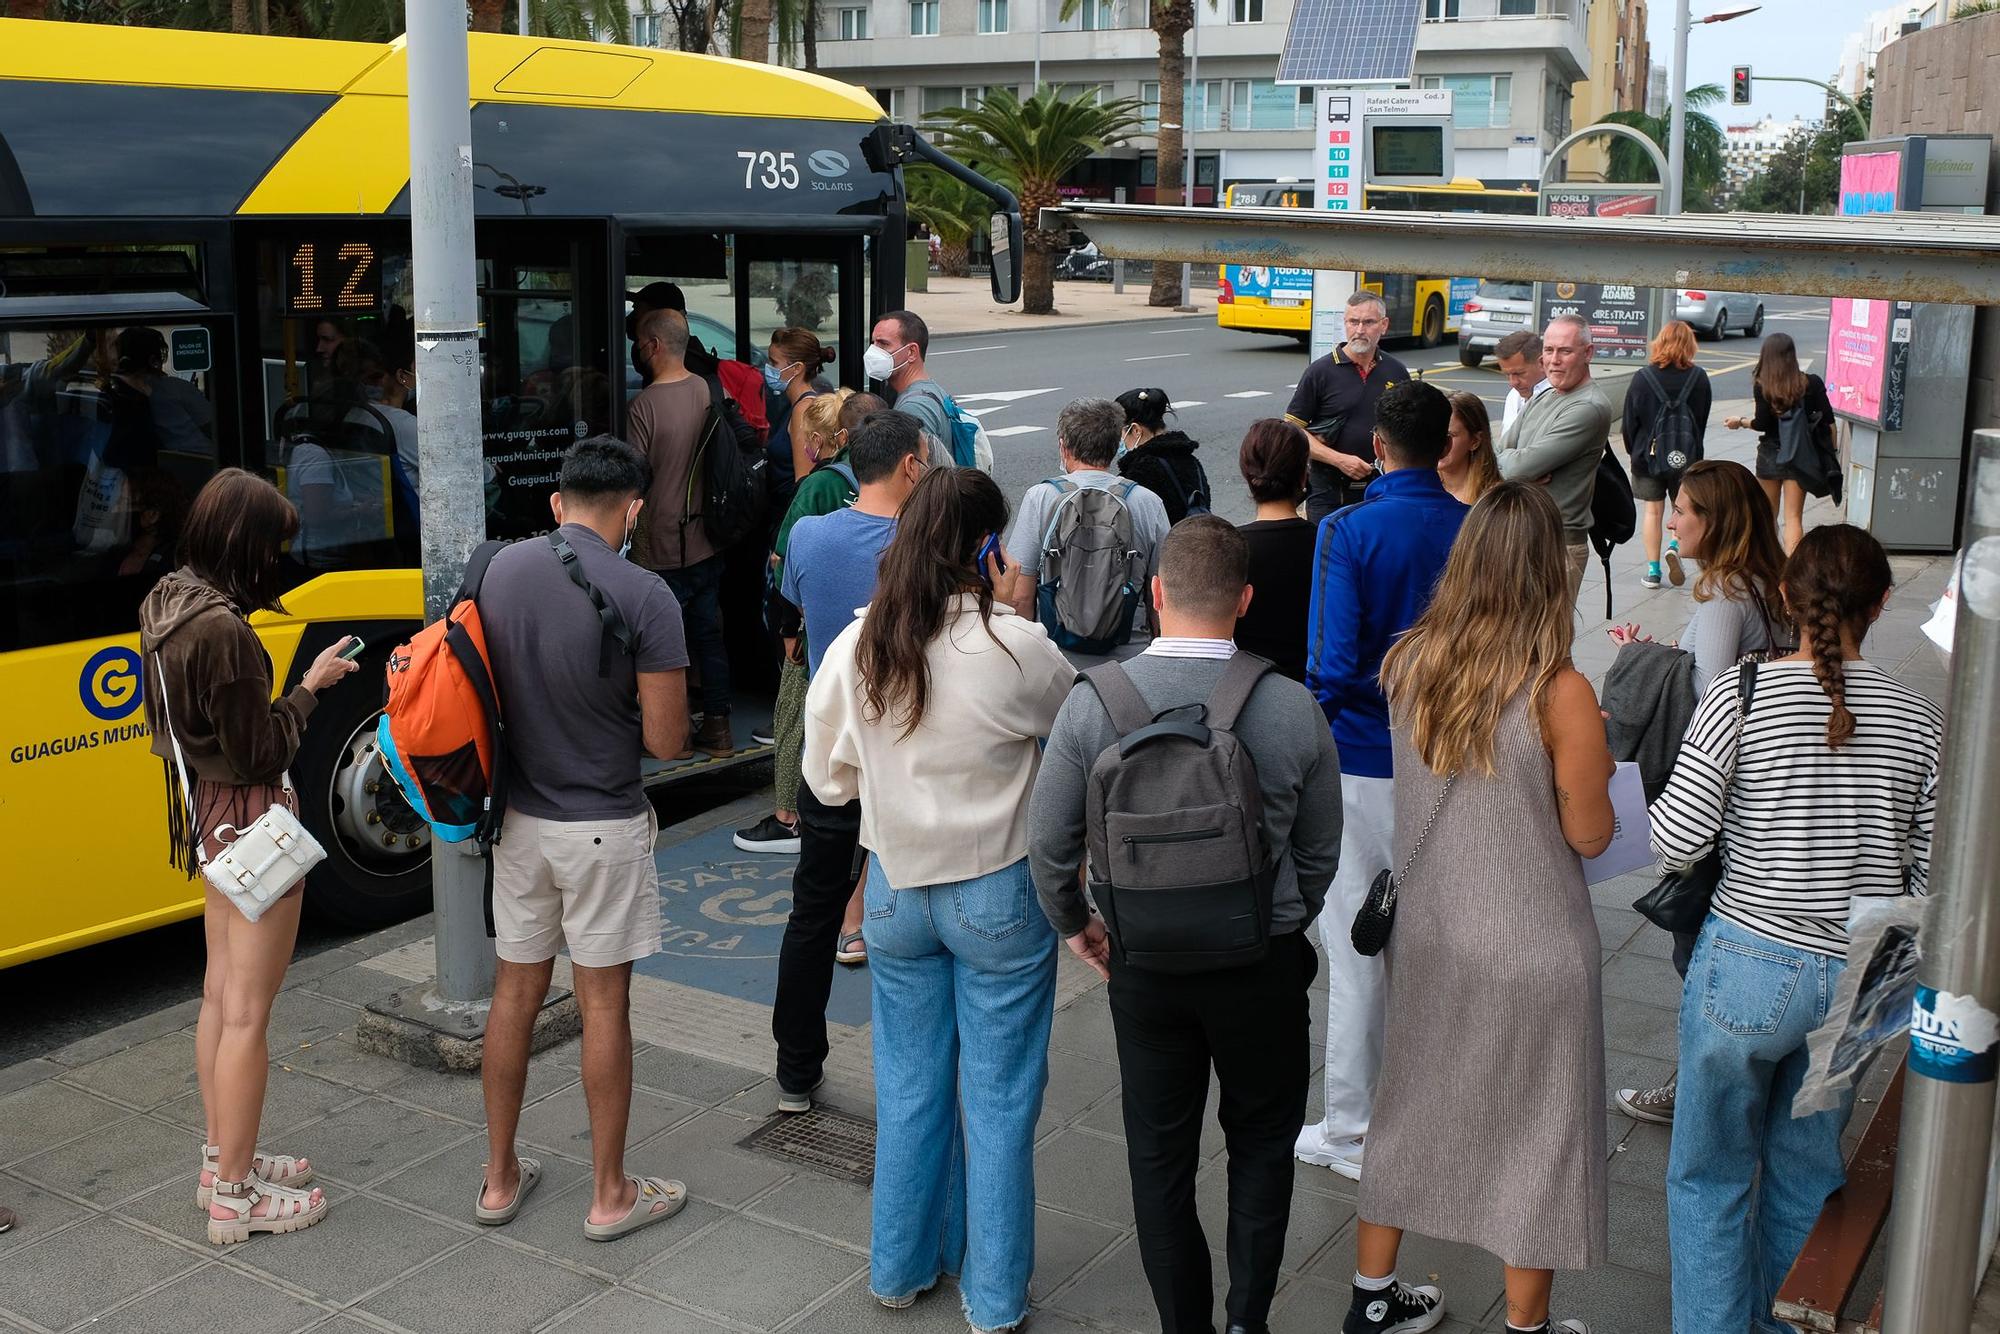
<point>1554,29</point>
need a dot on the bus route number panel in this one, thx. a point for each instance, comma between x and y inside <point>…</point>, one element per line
<point>330,276</point>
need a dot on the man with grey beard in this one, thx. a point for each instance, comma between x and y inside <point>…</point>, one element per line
<point>1335,406</point>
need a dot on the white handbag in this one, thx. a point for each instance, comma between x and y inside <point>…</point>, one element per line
<point>256,866</point>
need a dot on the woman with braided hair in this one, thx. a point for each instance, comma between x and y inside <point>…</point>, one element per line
<point>1821,790</point>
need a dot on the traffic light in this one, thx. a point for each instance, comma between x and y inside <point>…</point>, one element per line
<point>1739,86</point>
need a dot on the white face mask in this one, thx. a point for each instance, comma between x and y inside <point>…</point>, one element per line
<point>878,363</point>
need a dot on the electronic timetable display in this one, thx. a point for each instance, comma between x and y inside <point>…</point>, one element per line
<point>328,275</point>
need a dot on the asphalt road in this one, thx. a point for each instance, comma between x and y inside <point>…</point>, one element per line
<point>1017,383</point>
<point>1224,379</point>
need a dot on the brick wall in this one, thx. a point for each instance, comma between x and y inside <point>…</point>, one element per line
<point>1946,80</point>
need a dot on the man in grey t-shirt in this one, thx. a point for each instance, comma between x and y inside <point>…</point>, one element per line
<point>895,356</point>
<point>574,863</point>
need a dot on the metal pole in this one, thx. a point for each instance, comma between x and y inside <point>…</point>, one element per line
<point>1118,265</point>
<point>1038,46</point>
<point>1935,1259</point>
<point>1677,112</point>
<point>524,18</point>
<point>1200,107</point>
<point>451,489</point>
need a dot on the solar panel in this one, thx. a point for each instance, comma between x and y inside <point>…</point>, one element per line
<point>1350,41</point>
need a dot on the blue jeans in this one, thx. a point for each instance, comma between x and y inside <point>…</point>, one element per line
<point>698,588</point>
<point>1745,1011</point>
<point>963,978</point>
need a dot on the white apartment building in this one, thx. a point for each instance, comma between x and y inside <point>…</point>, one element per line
<point>1748,149</point>
<point>1857,53</point>
<point>1509,64</point>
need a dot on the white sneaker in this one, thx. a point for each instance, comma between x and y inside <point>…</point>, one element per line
<point>1341,1156</point>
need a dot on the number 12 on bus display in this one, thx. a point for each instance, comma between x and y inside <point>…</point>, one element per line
<point>771,170</point>
<point>327,276</point>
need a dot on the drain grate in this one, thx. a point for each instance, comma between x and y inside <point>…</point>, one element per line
<point>823,1139</point>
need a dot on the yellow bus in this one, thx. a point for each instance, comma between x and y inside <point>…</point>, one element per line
<point>247,198</point>
<point>1268,299</point>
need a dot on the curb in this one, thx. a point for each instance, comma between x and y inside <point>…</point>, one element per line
<point>1121,322</point>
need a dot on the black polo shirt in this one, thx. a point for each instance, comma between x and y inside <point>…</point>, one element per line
<point>1333,386</point>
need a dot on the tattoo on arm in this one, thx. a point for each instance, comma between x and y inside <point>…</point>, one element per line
<point>1562,795</point>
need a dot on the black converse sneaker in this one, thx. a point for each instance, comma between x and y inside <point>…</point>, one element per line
<point>1396,1309</point>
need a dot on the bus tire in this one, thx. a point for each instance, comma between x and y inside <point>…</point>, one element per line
<point>353,807</point>
<point>1469,356</point>
<point>1432,332</point>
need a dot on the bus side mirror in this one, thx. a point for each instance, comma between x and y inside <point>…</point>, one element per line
<point>1006,235</point>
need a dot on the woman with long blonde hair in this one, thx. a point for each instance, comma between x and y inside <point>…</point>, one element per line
<point>1778,387</point>
<point>1494,1044</point>
<point>1468,469</point>
<point>1668,378</point>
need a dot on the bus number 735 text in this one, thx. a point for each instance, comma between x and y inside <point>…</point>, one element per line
<point>772,171</point>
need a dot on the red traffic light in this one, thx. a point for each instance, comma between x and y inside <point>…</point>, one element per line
<point>1739,86</point>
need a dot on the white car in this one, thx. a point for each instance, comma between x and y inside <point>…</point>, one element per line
<point>1718,314</point>
<point>1497,309</point>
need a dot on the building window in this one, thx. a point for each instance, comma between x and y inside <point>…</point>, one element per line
<point>890,100</point>
<point>923,18</point>
<point>850,24</point>
<point>993,15</point>
<point>646,29</point>
<point>1260,104</point>
<point>1478,101</point>
<point>942,99</point>
<point>1097,15</point>
<point>1439,11</point>
<point>1519,9</point>
<point>1247,11</point>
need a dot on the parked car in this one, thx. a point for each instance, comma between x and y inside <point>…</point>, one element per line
<point>1718,314</point>
<point>1495,310</point>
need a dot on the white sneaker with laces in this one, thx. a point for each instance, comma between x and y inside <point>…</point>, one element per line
<point>1341,1156</point>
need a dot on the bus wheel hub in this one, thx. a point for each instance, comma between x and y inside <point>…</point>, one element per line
<point>369,809</point>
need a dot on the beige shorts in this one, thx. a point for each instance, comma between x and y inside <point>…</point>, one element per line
<point>590,884</point>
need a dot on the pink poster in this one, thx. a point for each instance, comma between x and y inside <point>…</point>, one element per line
<point>1857,357</point>
<point>1868,182</point>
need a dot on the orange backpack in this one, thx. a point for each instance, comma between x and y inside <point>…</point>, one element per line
<point>440,734</point>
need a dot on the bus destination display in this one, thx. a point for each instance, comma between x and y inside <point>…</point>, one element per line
<point>329,276</point>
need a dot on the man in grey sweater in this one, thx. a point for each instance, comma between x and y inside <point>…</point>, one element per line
<point>1250,1023</point>
<point>1561,434</point>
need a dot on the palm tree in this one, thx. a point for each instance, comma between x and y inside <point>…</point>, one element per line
<point>753,30</point>
<point>1702,168</point>
<point>1035,144</point>
<point>953,210</point>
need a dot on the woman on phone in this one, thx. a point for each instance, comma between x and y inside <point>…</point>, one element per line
<point>206,669</point>
<point>1777,387</point>
<point>1502,783</point>
<point>930,707</point>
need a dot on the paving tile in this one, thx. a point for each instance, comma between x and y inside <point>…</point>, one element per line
<point>40,1213</point>
<point>1642,978</point>
<point>356,984</point>
<point>1064,1244</point>
<point>312,967</point>
<point>143,1076</point>
<point>854,1310</point>
<point>1615,926</point>
<point>290,1100</point>
<point>361,1244</point>
<point>117,1162</point>
<point>372,1138</point>
<point>23,1073</point>
<point>710,1273</point>
<point>704,1153</point>
<point>694,1078</point>
<point>301,1018</point>
<point>1084,1174</point>
<point>171,1209</point>
<point>1084,1027</point>
<point>445,1183</point>
<point>1612,1300</point>
<point>1641,1158</point>
<point>1639,1229</point>
<point>622,1311</point>
<point>561,1121</point>
<point>129,1034</point>
<point>1644,1030</point>
<point>1315,1219</point>
<point>215,1300</point>
<point>1113,1294</point>
<point>481,1288</point>
<point>79,1271</point>
<point>338,1059</point>
<point>1075,1082</point>
<point>834,1211</point>
<point>556,1229</point>
<point>1651,942</point>
<point>1108,1118</point>
<point>462,1097</point>
<point>42,1116</point>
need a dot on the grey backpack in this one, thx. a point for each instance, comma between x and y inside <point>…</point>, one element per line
<point>1091,569</point>
<point>1173,823</point>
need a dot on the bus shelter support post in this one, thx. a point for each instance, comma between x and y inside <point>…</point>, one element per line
<point>1118,265</point>
<point>1942,1162</point>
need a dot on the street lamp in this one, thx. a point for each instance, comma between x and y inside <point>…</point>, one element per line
<point>1677,111</point>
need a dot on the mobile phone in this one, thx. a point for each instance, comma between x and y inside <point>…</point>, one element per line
<point>991,547</point>
<point>355,648</point>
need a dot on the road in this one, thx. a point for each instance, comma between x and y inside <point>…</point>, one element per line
<point>1017,383</point>
<point>1222,380</point>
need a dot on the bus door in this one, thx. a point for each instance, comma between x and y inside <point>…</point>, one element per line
<point>115,369</point>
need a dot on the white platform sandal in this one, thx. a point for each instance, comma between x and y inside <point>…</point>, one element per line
<point>290,1211</point>
<point>277,1169</point>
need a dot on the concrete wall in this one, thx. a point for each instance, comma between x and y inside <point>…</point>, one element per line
<point>1946,80</point>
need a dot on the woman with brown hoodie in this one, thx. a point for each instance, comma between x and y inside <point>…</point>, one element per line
<point>203,661</point>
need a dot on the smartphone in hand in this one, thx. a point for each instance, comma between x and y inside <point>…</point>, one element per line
<point>356,646</point>
<point>991,547</point>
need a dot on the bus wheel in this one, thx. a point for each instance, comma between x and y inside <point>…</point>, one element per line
<point>1433,331</point>
<point>378,849</point>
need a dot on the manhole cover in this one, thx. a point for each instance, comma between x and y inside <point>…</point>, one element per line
<point>823,1139</point>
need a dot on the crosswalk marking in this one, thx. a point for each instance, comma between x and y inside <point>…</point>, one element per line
<point>1249,393</point>
<point>1189,403</point>
<point>1002,395</point>
<point>1003,431</point>
<point>1161,356</point>
<point>954,351</point>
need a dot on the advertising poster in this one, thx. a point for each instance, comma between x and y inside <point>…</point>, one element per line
<point>1860,350</point>
<point>1619,314</point>
<point>1280,287</point>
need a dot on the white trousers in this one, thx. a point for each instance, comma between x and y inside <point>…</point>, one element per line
<point>1357,987</point>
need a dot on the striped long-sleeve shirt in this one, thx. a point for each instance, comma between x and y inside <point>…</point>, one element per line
<point>1805,828</point>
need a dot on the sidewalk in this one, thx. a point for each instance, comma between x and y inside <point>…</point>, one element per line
<point>955,306</point>
<point>98,1141</point>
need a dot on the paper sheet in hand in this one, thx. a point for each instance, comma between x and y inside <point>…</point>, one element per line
<point>1631,830</point>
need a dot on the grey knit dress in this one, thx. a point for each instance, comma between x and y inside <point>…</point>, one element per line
<point>1488,1125</point>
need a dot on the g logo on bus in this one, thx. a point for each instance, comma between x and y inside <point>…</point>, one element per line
<point>826,162</point>
<point>109,683</point>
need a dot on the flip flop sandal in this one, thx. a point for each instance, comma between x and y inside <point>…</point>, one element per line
<point>850,949</point>
<point>275,1169</point>
<point>659,1199</point>
<point>290,1211</point>
<point>531,1177</point>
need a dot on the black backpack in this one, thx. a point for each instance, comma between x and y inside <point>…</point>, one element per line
<point>735,485</point>
<point>1614,516</point>
<point>1801,454</point>
<point>1673,444</point>
<point>1173,824</point>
